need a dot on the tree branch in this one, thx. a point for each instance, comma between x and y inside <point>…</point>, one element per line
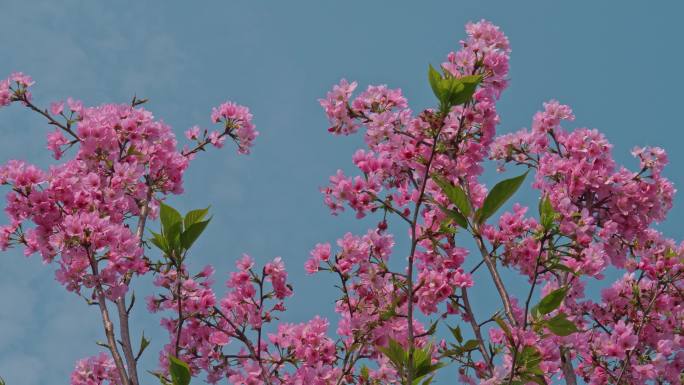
<point>123,311</point>
<point>491,265</point>
<point>108,326</point>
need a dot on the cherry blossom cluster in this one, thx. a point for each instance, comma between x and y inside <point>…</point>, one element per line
<point>394,167</point>
<point>81,209</point>
<point>96,370</point>
<point>15,88</point>
<point>87,214</point>
<point>601,217</point>
<point>420,171</point>
<point>237,124</point>
<point>399,144</point>
<point>646,336</point>
<point>405,153</point>
<point>593,214</point>
<point>206,328</point>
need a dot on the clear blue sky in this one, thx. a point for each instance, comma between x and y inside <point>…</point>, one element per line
<point>616,63</point>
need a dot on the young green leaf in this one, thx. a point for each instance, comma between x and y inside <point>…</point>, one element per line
<point>456,332</point>
<point>529,358</point>
<point>422,363</point>
<point>528,361</point>
<point>463,92</point>
<point>456,216</point>
<point>446,228</point>
<point>537,379</point>
<point>560,267</point>
<point>451,91</point>
<point>433,328</point>
<point>172,235</point>
<point>195,216</point>
<point>168,216</point>
<point>455,194</point>
<point>160,377</point>
<point>422,358</point>
<point>364,372</point>
<point>470,345</point>
<point>193,232</point>
<point>159,241</point>
<point>504,327</point>
<point>131,151</point>
<point>179,370</point>
<point>435,79</point>
<point>395,352</point>
<point>501,192</point>
<point>387,314</point>
<point>144,343</point>
<point>560,325</point>
<point>430,369</point>
<point>546,213</point>
<point>429,380</point>
<point>453,87</point>
<point>551,301</point>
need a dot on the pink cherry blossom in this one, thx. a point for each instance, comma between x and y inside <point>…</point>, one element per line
<point>405,306</point>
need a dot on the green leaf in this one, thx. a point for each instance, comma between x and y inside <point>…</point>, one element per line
<point>452,88</point>
<point>422,358</point>
<point>535,369</point>
<point>560,325</point>
<point>551,301</point>
<point>451,91</point>
<point>364,372</point>
<point>463,91</point>
<point>168,216</point>
<point>159,241</point>
<point>423,355</point>
<point>455,216</point>
<point>179,370</point>
<point>430,369</point>
<point>504,327</point>
<point>144,343</point>
<point>387,314</point>
<point>422,363</point>
<point>470,345</point>
<point>429,380</point>
<point>193,232</point>
<point>395,352</point>
<point>131,151</point>
<point>560,267</point>
<point>172,235</point>
<point>433,328</point>
<point>529,358</point>
<point>160,377</point>
<point>435,79</point>
<point>538,379</point>
<point>455,194</point>
<point>457,333</point>
<point>546,213</point>
<point>195,216</point>
<point>102,344</point>
<point>498,196</point>
<point>446,228</point>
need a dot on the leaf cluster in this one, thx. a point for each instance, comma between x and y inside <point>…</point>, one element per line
<point>179,233</point>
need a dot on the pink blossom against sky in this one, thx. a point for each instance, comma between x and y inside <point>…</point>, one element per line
<point>279,59</point>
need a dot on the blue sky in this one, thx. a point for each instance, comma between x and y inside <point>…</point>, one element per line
<point>615,63</point>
